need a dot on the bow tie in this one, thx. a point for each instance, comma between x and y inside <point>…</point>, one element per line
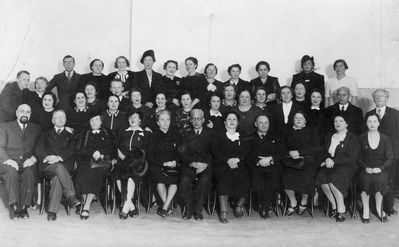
<point>95,131</point>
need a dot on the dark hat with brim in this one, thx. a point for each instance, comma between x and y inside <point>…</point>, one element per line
<point>149,53</point>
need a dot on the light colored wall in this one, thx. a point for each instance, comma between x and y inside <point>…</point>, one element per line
<point>35,35</point>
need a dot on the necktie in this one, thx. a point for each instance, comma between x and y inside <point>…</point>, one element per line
<point>343,109</point>
<point>23,128</point>
<point>379,113</point>
<point>69,76</point>
<point>262,136</point>
<point>197,132</point>
<point>59,131</point>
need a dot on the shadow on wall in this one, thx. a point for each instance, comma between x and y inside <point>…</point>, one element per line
<point>365,101</point>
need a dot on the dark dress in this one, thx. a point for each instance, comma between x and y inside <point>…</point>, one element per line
<point>311,81</point>
<point>127,79</point>
<point>315,118</point>
<point>206,94</point>
<point>217,120</point>
<point>101,82</point>
<point>304,103</point>
<point>345,163</point>
<point>247,119</point>
<point>265,180</point>
<point>96,106</point>
<point>276,111</point>
<point>240,86</point>
<point>171,88</point>
<point>164,147</point>
<point>78,120</point>
<point>42,118</point>
<point>116,122</point>
<point>193,84</point>
<point>183,121</point>
<point>271,85</point>
<point>306,142</point>
<point>353,114</point>
<point>226,108</point>
<point>33,100</point>
<point>148,91</point>
<point>90,180</point>
<point>380,157</point>
<point>230,182</point>
<point>128,141</point>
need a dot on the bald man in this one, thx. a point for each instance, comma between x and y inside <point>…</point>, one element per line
<point>17,161</point>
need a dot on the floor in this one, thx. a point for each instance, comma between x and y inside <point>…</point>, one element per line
<point>152,230</point>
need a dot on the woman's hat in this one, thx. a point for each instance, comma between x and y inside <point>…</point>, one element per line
<point>149,53</point>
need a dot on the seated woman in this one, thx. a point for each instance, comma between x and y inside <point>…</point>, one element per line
<point>171,83</point>
<point>376,155</point>
<point>163,157</point>
<point>316,112</point>
<point>34,98</point>
<point>130,140</point>
<point>247,113</point>
<point>95,145</point>
<point>301,143</point>
<point>300,92</point>
<point>231,173</point>
<point>114,120</point>
<point>137,106</point>
<point>260,98</point>
<point>229,94</point>
<point>213,116</point>
<point>43,116</point>
<point>269,83</point>
<point>122,74</point>
<point>183,114</point>
<point>338,166</point>
<point>264,163</point>
<point>78,117</point>
<point>93,102</point>
<point>211,86</point>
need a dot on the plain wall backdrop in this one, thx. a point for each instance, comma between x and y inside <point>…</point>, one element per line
<point>35,35</point>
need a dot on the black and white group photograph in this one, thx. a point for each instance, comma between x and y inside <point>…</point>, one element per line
<point>199,123</point>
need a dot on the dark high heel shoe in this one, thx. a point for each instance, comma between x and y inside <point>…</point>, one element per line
<point>364,220</point>
<point>84,217</point>
<point>302,209</point>
<point>239,212</point>
<point>162,212</point>
<point>123,215</point>
<point>223,217</point>
<point>133,212</point>
<point>340,217</point>
<point>383,219</point>
<point>333,213</point>
<point>291,210</point>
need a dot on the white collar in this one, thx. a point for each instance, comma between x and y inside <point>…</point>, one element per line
<point>345,106</point>
<point>115,114</point>
<point>218,114</point>
<point>56,129</point>
<point>233,137</point>
<point>200,131</point>
<point>315,107</point>
<point>287,104</point>
<point>95,131</point>
<point>66,73</point>
<point>382,109</point>
<point>39,94</point>
<point>21,125</point>
<point>131,129</point>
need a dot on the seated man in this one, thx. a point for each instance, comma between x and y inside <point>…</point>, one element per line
<point>196,166</point>
<point>17,162</point>
<point>55,152</point>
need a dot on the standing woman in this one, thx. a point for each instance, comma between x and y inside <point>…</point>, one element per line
<point>96,76</point>
<point>183,123</point>
<point>44,116</point>
<point>301,143</point>
<point>122,74</point>
<point>229,94</point>
<point>234,71</point>
<point>35,98</point>
<point>113,119</point>
<point>133,142</point>
<point>260,98</point>
<point>93,102</point>
<point>308,77</point>
<point>164,158</point>
<point>193,81</point>
<point>95,144</point>
<point>211,85</point>
<point>376,155</point>
<point>78,117</point>
<point>230,150</point>
<point>339,166</point>
<point>247,113</point>
<point>148,80</point>
<point>213,116</point>
<point>342,80</point>
<point>171,83</point>
<point>269,83</point>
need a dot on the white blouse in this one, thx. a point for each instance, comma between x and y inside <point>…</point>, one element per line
<point>336,139</point>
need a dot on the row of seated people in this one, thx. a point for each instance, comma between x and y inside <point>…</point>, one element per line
<point>231,154</point>
<point>201,86</point>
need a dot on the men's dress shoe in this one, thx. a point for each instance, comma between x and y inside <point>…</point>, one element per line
<point>198,217</point>
<point>264,213</point>
<point>187,216</point>
<point>51,216</point>
<point>162,212</point>
<point>133,212</point>
<point>23,213</point>
<point>392,212</point>
<point>223,217</point>
<point>72,202</point>
<point>239,212</point>
<point>13,212</point>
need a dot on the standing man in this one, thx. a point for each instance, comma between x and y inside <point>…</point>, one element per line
<point>390,127</point>
<point>55,151</point>
<point>66,83</point>
<point>117,89</point>
<point>17,161</point>
<point>13,95</point>
<point>196,168</point>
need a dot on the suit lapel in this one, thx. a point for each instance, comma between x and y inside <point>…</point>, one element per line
<point>17,129</point>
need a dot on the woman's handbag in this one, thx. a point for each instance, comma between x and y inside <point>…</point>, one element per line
<point>289,162</point>
<point>104,163</point>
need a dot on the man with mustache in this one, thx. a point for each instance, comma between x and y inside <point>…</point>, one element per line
<point>17,161</point>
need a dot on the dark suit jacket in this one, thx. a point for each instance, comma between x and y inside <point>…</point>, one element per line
<point>353,114</point>
<point>65,88</point>
<point>50,143</point>
<point>390,127</point>
<point>196,148</point>
<point>141,81</point>
<point>129,81</point>
<point>10,98</point>
<point>276,111</point>
<point>270,145</point>
<point>33,100</point>
<point>15,144</point>
<point>240,86</point>
<point>271,85</point>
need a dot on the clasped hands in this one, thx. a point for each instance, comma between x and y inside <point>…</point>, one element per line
<point>265,161</point>
<point>199,166</point>
<point>52,159</point>
<point>170,164</point>
<point>28,162</point>
<point>329,163</point>
<point>373,170</point>
<point>233,162</point>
